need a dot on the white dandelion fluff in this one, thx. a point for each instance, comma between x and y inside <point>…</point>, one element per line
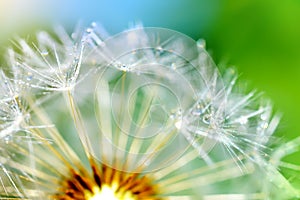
<point>155,120</point>
<point>49,64</point>
<point>13,109</point>
<point>206,110</point>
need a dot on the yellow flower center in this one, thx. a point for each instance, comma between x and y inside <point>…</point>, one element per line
<point>106,183</point>
<point>109,193</point>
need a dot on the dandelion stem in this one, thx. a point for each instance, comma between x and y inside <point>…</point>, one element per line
<point>79,124</point>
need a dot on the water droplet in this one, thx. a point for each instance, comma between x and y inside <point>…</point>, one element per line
<point>173,66</point>
<point>176,117</point>
<point>172,116</point>
<point>264,125</point>
<point>29,76</point>
<point>264,116</point>
<point>159,49</point>
<point>199,110</point>
<point>7,139</point>
<point>177,114</point>
<point>76,60</point>
<point>124,68</point>
<point>206,119</point>
<point>44,53</point>
<point>73,35</point>
<point>201,44</point>
<point>232,82</point>
<point>93,24</point>
<point>243,120</point>
<point>89,30</point>
<point>178,124</point>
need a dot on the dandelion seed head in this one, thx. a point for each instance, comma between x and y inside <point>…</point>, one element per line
<point>154,120</point>
<point>217,112</point>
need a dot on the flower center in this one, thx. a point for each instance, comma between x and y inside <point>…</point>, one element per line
<point>106,183</point>
<point>109,193</point>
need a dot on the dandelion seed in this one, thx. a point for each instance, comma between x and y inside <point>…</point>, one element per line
<point>48,64</point>
<point>13,109</point>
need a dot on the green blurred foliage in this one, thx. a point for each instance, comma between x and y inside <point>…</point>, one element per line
<point>262,39</point>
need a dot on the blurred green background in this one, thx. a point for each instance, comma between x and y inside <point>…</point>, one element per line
<point>260,38</point>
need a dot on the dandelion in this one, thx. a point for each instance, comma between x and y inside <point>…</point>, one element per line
<point>151,122</point>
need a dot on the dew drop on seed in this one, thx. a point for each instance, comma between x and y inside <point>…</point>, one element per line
<point>232,82</point>
<point>76,60</point>
<point>172,116</point>
<point>5,82</point>
<point>176,117</point>
<point>7,139</point>
<point>124,68</point>
<point>206,119</point>
<point>176,114</point>
<point>178,124</point>
<point>73,35</point>
<point>243,120</point>
<point>159,49</point>
<point>29,76</point>
<point>44,53</point>
<point>201,44</point>
<point>89,30</point>
<point>264,125</point>
<point>179,111</point>
<point>264,116</point>
<point>199,110</point>
<point>93,24</point>
<point>173,66</point>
